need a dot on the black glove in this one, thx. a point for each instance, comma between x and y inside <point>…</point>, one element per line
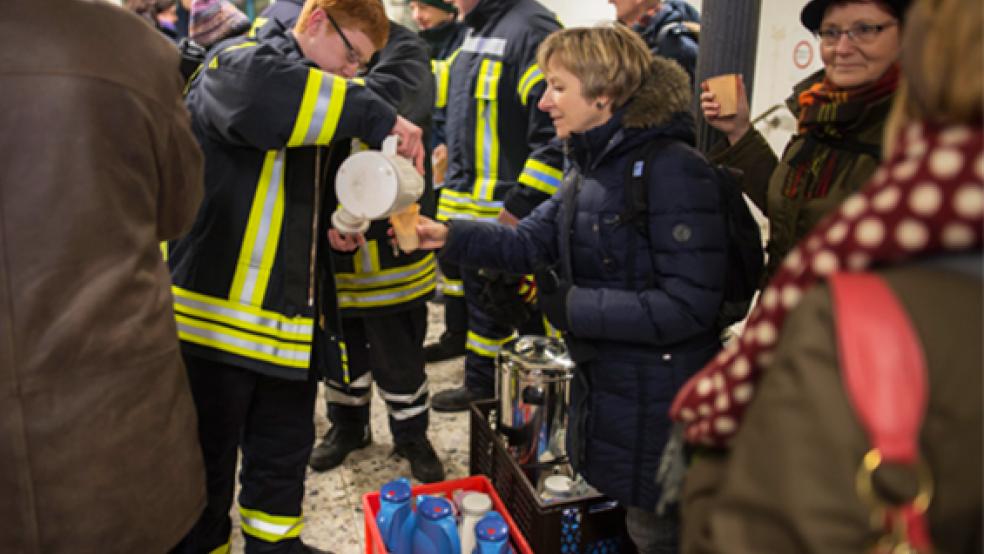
<point>552,292</point>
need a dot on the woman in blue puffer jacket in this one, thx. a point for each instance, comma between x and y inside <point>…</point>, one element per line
<point>637,310</point>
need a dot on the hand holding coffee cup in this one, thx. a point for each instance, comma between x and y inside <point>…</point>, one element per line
<point>724,104</point>
<point>405,227</point>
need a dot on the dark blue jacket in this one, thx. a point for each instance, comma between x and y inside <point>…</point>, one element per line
<point>667,36</point>
<point>650,338</point>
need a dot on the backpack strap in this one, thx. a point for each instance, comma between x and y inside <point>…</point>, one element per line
<point>636,210</point>
<point>884,372</point>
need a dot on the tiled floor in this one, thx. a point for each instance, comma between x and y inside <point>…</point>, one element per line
<point>333,502</point>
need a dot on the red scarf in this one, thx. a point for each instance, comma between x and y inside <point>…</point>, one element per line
<point>927,199</point>
<point>826,104</point>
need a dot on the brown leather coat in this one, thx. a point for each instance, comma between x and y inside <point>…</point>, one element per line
<point>788,484</point>
<point>98,445</point>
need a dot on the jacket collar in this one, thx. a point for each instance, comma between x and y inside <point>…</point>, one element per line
<point>486,11</point>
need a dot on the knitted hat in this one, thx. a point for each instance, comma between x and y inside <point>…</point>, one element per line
<point>214,20</point>
<point>440,4</point>
<point>812,14</point>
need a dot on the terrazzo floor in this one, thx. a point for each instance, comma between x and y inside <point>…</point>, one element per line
<point>333,500</point>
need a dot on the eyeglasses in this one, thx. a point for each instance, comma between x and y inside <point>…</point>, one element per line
<point>351,54</point>
<point>859,33</point>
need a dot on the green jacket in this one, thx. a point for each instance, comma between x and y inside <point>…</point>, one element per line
<point>791,218</point>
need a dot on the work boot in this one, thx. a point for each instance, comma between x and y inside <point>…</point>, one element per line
<point>338,443</point>
<point>449,345</point>
<point>455,400</point>
<point>424,464</point>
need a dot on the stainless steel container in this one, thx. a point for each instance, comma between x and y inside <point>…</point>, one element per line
<point>533,377</point>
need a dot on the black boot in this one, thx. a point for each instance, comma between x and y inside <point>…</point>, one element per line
<point>456,400</point>
<point>449,345</point>
<point>424,463</point>
<point>339,441</point>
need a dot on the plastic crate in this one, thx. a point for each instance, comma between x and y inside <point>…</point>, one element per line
<point>479,483</point>
<point>584,525</point>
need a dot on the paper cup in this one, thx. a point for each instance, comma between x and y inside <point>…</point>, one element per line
<point>405,228</point>
<point>725,89</point>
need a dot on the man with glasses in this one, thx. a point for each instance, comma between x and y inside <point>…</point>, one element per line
<point>382,294</point>
<point>249,290</point>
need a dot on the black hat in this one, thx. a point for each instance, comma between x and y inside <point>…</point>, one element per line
<point>812,13</point>
<point>446,6</point>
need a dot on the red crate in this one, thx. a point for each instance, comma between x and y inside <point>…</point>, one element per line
<point>479,483</point>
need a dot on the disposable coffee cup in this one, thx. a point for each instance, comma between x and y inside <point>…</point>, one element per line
<point>725,89</point>
<point>405,227</point>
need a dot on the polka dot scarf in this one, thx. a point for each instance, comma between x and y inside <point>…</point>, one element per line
<point>927,199</point>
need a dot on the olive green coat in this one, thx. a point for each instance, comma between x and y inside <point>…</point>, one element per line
<point>766,176</point>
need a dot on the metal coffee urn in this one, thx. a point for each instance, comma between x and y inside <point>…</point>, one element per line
<point>533,377</point>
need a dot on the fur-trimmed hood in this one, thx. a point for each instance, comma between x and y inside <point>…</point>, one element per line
<point>664,92</point>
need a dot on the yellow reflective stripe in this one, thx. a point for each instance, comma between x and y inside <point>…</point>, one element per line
<point>164,250</point>
<point>459,205</point>
<point>361,81</point>
<point>441,71</point>
<point>385,277</point>
<point>551,331</point>
<point>248,318</point>
<point>247,345</point>
<point>214,64</point>
<point>484,346</point>
<point>257,23</point>
<point>270,528</point>
<point>262,233</point>
<point>424,284</point>
<point>530,78</point>
<point>486,131</point>
<point>224,549</point>
<point>452,287</point>
<point>343,354</point>
<point>540,176</point>
<point>366,259</point>
<point>320,110</point>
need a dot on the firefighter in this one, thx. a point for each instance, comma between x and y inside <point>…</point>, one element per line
<point>264,107</point>
<point>500,164</point>
<point>382,294</point>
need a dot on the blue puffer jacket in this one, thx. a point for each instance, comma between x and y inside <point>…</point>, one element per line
<point>648,340</point>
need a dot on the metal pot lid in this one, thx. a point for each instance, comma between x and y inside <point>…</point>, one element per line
<point>536,353</point>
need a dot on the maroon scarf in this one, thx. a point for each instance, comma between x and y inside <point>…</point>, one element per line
<point>927,199</point>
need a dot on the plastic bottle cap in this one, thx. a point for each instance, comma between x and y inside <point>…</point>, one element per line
<point>395,491</point>
<point>559,485</point>
<point>476,504</point>
<point>434,508</point>
<point>492,527</point>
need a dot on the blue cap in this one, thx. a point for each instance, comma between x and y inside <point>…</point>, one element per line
<point>492,528</point>
<point>434,508</point>
<point>395,491</point>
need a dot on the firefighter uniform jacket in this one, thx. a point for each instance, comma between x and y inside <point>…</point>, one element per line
<point>497,137</point>
<point>373,280</point>
<point>244,277</point>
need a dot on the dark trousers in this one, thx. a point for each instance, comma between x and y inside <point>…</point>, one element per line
<point>271,421</point>
<point>387,349</point>
<point>455,309</point>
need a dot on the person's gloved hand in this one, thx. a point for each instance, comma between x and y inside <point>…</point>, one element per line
<point>552,292</point>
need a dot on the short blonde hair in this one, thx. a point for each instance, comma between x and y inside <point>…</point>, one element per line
<point>608,60</point>
<point>367,16</point>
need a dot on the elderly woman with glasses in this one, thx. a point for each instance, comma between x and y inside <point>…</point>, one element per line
<point>841,112</point>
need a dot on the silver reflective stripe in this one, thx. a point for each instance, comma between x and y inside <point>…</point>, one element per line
<point>487,179</point>
<point>320,109</point>
<point>212,335</point>
<point>407,413</point>
<point>335,396</point>
<point>405,398</point>
<point>363,298</point>
<point>272,324</point>
<point>389,276</point>
<point>267,527</point>
<point>485,45</point>
<point>263,233</point>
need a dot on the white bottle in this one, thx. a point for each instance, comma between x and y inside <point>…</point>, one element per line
<point>474,505</point>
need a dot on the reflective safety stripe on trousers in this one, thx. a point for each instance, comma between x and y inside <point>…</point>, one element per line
<point>452,287</point>
<point>484,346</point>
<point>408,412</point>
<point>357,393</point>
<point>487,130</point>
<point>375,288</point>
<point>243,330</point>
<point>270,528</point>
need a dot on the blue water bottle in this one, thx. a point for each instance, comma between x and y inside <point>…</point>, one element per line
<point>394,509</point>
<point>492,535</point>
<point>437,530</point>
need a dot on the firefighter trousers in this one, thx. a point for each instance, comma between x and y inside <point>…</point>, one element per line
<point>272,421</point>
<point>387,349</point>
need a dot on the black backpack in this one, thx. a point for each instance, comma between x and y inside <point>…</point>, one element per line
<point>746,259</point>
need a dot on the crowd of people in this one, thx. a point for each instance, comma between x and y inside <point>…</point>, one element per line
<point>172,290</point>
